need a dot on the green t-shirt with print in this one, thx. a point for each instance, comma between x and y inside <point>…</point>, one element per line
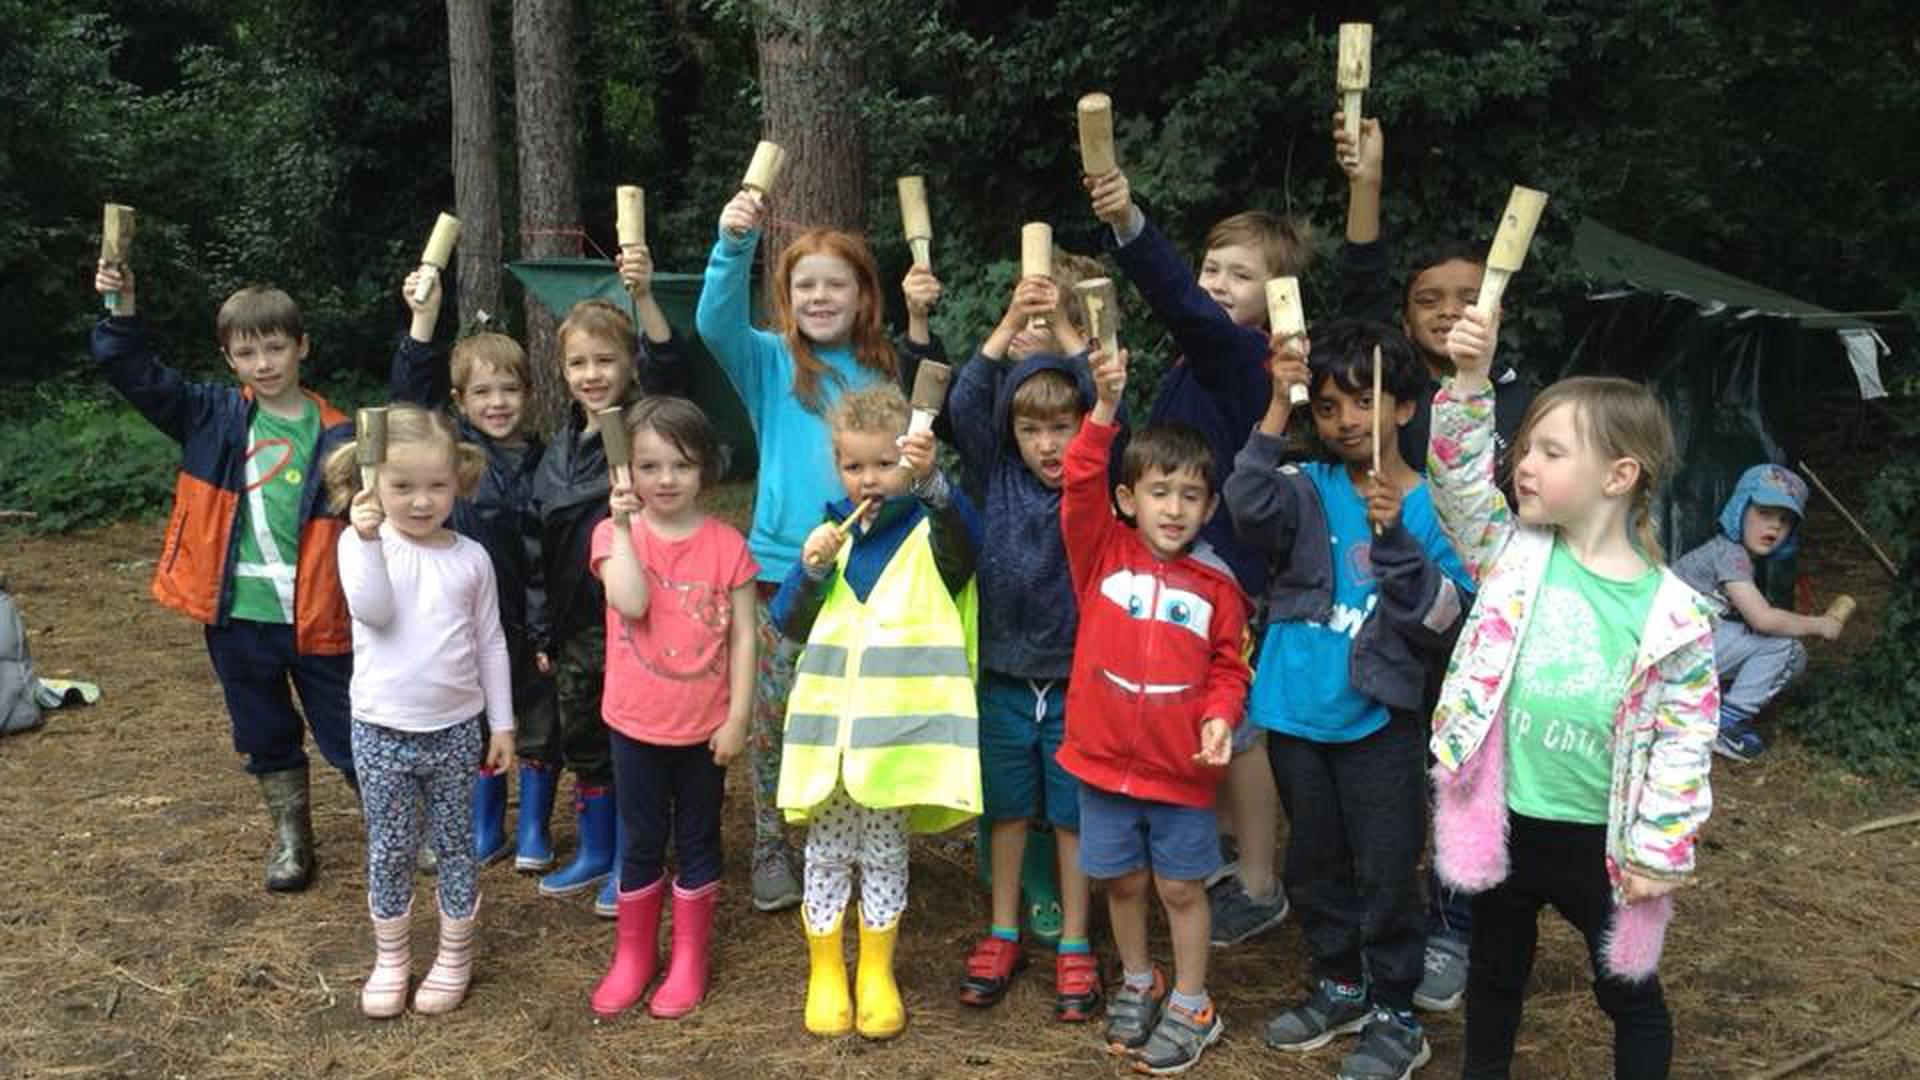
<point>1567,684</point>
<point>279,456</point>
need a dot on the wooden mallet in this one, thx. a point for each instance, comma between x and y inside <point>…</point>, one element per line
<point>1036,260</point>
<point>916,224</point>
<point>1102,304</point>
<point>1841,609</point>
<point>1288,320</point>
<point>438,253</point>
<point>370,443</point>
<point>763,172</point>
<point>1510,244</point>
<point>630,219</point>
<point>116,244</point>
<point>929,397</point>
<point>612,424</point>
<point>1354,73</point>
<point>1096,135</point>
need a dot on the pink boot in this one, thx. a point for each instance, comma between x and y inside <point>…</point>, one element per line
<point>446,983</point>
<point>636,947</point>
<point>686,981</point>
<point>384,994</point>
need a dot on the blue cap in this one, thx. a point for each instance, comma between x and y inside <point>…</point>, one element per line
<point>1766,485</point>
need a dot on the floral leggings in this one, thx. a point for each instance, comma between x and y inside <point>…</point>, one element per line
<point>772,684</point>
<point>399,771</point>
<point>840,834</point>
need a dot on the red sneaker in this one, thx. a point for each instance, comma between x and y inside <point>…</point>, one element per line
<point>1076,987</point>
<point>990,971</point>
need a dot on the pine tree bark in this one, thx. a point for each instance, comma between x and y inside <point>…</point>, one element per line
<point>810,75</point>
<point>476,163</point>
<point>543,76</point>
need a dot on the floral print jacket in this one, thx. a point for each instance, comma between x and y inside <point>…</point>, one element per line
<point>1664,727</point>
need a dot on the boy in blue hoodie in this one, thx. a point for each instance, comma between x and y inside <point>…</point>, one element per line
<point>1014,408</point>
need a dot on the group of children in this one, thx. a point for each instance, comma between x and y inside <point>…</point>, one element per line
<point>1100,629</point>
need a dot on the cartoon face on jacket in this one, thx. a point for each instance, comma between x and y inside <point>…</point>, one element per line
<point>1161,607</point>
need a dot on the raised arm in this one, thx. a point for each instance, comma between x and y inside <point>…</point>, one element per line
<point>750,357</point>
<point>1366,286</point>
<point>122,345</point>
<point>1461,455</point>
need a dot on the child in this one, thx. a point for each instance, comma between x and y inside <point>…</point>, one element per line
<point>679,687</point>
<point>249,549</point>
<point>1366,594</point>
<point>1755,645</point>
<point>886,659</point>
<point>1219,386</point>
<point>604,365</point>
<point>1573,729</point>
<point>1012,423</point>
<point>1441,284</point>
<point>826,339</point>
<point>487,378</point>
<point>1159,679</point>
<point>429,660</point>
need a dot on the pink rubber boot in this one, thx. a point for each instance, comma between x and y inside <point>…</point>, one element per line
<point>686,981</point>
<point>636,946</point>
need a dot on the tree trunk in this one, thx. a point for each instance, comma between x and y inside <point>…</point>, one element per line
<point>810,74</point>
<point>543,52</point>
<point>476,163</point>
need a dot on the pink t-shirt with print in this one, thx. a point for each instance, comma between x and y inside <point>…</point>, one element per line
<point>666,674</point>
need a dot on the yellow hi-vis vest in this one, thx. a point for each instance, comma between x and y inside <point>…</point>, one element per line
<point>883,698</point>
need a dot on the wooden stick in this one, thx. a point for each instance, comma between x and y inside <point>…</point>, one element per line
<point>1287,319</point>
<point>1376,410</point>
<point>916,224</point>
<point>859,508</point>
<point>1885,562</point>
<point>1102,304</point>
<point>116,244</point>
<point>1036,260</point>
<point>1096,135</point>
<point>1839,1046</point>
<point>1877,824</point>
<point>370,443</point>
<point>1510,244</point>
<point>1842,609</point>
<point>612,425</point>
<point>1353,73</point>
<point>930,381</point>
<point>438,252</point>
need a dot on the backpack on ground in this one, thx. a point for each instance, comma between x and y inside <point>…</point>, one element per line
<point>18,709</point>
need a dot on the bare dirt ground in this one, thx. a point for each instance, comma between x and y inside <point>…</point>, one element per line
<point>136,941</point>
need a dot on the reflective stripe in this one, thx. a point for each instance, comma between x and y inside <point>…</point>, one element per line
<point>811,729</point>
<point>882,732</point>
<point>820,658</point>
<point>263,535</point>
<point>914,661</point>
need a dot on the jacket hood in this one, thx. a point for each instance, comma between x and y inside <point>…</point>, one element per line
<point>1766,485</point>
<point>1075,367</point>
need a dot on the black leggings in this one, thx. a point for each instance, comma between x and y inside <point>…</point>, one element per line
<point>662,792</point>
<point>1564,865</point>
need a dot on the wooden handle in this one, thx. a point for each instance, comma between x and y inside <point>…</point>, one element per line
<point>930,386</point>
<point>1510,244</point>
<point>916,224</point>
<point>1860,530</point>
<point>630,215</point>
<point>1354,70</point>
<point>763,172</point>
<point>439,249</point>
<point>370,436</point>
<point>1096,135</point>
<point>612,423</point>
<point>1287,318</point>
<point>1376,409</point>
<point>1842,608</point>
<point>1102,305</point>
<point>1493,286</point>
<point>1350,106</point>
<point>116,235</point>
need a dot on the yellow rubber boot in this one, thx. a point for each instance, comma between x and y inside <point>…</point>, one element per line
<point>829,1009</point>
<point>882,1014</point>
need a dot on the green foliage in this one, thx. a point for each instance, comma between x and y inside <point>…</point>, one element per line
<point>84,458</point>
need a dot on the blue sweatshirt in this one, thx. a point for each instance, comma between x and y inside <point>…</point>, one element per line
<point>796,475</point>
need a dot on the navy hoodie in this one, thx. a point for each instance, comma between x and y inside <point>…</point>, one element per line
<point>1028,615</point>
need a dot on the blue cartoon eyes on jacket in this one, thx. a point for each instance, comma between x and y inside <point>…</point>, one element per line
<point>1179,613</point>
<point>1136,606</point>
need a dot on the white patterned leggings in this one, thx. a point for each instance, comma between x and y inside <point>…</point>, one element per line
<point>842,833</point>
<point>400,771</point>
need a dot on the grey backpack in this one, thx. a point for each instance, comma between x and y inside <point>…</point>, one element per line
<point>18,709</point>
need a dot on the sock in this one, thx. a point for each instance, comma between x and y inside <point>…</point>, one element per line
<point>1004,933</point>
<point>1193,1004</point>
<point>1346,991</point>
<point>1079,946</point>
<point>1138,980</point>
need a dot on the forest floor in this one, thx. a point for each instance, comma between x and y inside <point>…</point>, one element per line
<point>136,940</point>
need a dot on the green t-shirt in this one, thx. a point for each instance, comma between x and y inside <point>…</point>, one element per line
<point>1567,684</point>
<point>279,454</point>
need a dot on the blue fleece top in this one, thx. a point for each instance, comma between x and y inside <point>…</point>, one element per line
<point>1028,614</point>
<point>1304,685</point>
<point>796,448</point>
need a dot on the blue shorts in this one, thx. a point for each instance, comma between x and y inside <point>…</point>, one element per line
<point>1021,724</point>
<point>1246,736</point>
<point>1120,834</point>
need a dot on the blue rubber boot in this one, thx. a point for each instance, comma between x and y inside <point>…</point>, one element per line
<point>607,904</point>
<point>490,842</point>
<point>593,857</point>
<point>533,853</point>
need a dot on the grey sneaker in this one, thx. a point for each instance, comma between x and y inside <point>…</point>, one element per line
<point>1445,981</point>
<point>1237,916</point>
<point>1178,1040</point>
<point>1132,1014</point>
<point>1390,1049</point>
<point>776,887</point>
<point>1314,1022</point>
<point>1229,861</point>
